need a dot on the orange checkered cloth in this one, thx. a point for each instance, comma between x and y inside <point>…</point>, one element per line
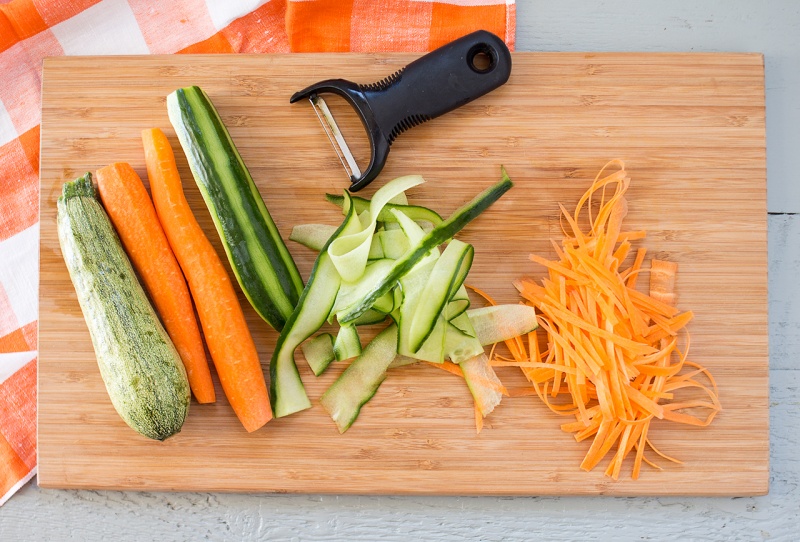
<point>33,29</point>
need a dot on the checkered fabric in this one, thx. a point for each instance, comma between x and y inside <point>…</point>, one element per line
<point>33,29</point>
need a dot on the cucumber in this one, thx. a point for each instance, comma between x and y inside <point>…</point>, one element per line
<point>313,236</point>
<point>414,212</point>
<point>350,291</point>
<point>143,373</point>
<point>438,235</point>
<point>347,344</point>
<point>260,260</point>
<point>385,244</point>
<point>319,352</point>
<point>459,345</point>
<point>359,382</point>
<point>350,253</point>
<point>286,390</point>
<point>458,304</point>
<point>385,304</point>
<point>370,317</point>
<point>446,278</point>
<point>394,243</point>
<point>497,323</point>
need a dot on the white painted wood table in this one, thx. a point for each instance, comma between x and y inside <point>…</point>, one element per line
<point>771,27</point>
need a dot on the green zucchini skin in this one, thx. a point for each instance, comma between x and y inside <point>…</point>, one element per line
<point>258,256</point>
<point>142,371</point>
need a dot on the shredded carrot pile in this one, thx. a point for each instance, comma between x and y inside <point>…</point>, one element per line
<point>616,358</point>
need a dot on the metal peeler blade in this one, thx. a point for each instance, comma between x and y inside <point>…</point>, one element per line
<point>335,136</point>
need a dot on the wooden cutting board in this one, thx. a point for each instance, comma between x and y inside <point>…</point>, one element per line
<point>691,130</point>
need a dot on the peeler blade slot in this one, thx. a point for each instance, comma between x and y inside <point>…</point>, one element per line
<point>335,136</point>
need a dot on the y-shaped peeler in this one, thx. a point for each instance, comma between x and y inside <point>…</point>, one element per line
<point>432,85</point>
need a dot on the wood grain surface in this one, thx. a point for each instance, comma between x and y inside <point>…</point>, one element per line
<point>691,130</point>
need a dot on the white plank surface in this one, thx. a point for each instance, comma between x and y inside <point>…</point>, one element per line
<point>772,27</point>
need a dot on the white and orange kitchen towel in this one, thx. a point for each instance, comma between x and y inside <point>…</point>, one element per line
<point>33,29</point>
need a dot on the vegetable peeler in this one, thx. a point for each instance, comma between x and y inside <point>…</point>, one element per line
<point>432,85</point>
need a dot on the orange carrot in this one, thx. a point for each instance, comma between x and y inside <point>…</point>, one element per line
<point>662,280</point>
<point>128,205</point>
<point>612,350</point>
<point>227,335</point>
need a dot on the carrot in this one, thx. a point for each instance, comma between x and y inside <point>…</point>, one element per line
<point>613,352</point>
<point>128,205</point>
<point>228,338</point>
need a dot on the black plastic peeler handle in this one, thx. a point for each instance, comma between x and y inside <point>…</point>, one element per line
<point>432,85</point>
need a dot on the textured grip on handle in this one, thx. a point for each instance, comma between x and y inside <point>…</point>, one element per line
<point>439,82</point>
<point>432,85</point>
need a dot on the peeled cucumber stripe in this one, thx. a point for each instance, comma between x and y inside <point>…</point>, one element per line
<point>260,260</point>
<point>313,236</point>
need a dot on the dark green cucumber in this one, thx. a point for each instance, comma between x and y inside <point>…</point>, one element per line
<point>286,390</point>
<point>414,212</point>
<point>438,235</point>
<point>260,260</point>
<point>142,371</point>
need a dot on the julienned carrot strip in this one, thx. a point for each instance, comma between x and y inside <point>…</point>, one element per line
<point>128,205</point>
<point>611,348</point>
<point>227,335</point>
<point>633,273</point>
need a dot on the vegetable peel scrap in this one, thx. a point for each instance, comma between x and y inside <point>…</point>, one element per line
<point>612,351</point>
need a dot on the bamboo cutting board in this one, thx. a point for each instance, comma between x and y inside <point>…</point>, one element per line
<point>691,130</point>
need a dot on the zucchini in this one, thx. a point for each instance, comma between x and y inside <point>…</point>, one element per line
<point>143,373</point>
<point>438,235</point>
<point>260,260</point>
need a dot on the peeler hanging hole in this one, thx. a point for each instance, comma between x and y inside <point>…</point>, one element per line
<point>482,58</point>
